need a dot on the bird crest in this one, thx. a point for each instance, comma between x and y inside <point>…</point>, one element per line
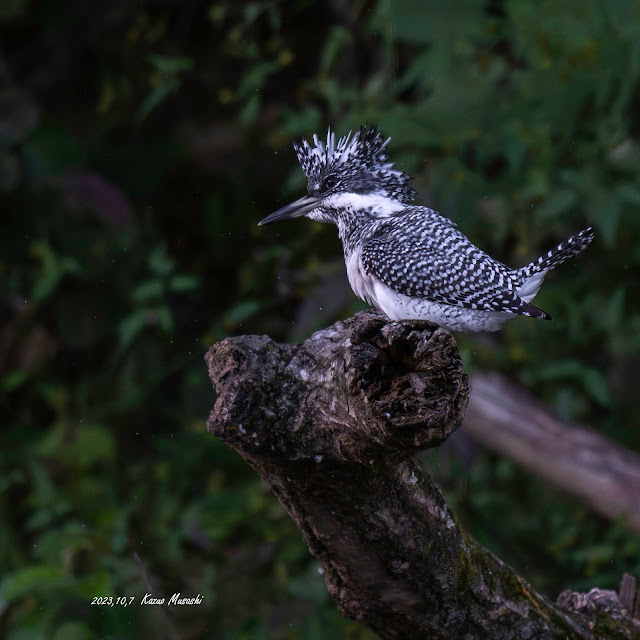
<point>357,161</point>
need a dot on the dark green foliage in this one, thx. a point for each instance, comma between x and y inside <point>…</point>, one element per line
<point>139,146</point>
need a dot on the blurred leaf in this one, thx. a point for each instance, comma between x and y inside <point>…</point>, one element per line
<point>13,380</point>
<point>96,582</point>
<point>131,327</point>
<point>255,78</point>
<point>183,283</point>
<point>594,381</point>
<point>150,290</point>
<point>87,445</point>
<point>158,94</point>
<point>164,318</point>
<point>597,386</point>
<point>160,262</point>
<point>242,311</point>
<point>338,39</point>
<point>22,582</point>
<point>171,64</point>
<point>250,109</point>
<point>54,268</point>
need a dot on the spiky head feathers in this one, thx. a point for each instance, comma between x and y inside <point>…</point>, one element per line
<point>356,164</point>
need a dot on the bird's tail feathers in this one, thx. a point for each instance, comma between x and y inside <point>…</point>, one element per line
<point>565,250</point>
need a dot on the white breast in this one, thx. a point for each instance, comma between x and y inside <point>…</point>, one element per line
<point>398,306</point>
<point>361,282</point>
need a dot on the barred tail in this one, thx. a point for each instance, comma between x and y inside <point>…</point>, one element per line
<point>565,250</point>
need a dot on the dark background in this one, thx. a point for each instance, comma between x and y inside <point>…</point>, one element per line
<point>141,142</point>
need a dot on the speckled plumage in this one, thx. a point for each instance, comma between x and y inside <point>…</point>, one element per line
<point>409,261</point>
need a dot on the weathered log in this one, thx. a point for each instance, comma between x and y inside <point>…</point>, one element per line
<point>629,596</point>
<point>332,425</point>
<point>503,417</point>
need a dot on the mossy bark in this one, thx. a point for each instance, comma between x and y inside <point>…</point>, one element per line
<point>332,426</point>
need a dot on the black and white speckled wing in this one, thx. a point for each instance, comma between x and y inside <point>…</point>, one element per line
<point>421,254</point>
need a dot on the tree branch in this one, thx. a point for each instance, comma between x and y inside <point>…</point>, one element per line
<point>504,417</point>
<point>332,425</point>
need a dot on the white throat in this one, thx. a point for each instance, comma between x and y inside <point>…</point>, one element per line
<point>379,204</point>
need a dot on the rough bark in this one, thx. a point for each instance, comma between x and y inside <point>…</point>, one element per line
<point>332,425</point>
<point>504,417</point>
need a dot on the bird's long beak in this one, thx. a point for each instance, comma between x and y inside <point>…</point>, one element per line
<point>295,209</point>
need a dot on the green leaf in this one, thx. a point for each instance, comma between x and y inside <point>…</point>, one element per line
<point>91,444</point>
<point>94,583</point>
<point>164,318</point>
<point>597,386</point>
<point>593,380</point>
<point>250,109</point>
<point>183,283</point>
<point>84,446</point>
<point>241,311</point>
<point>53,269</point>
<point>256,77</point>
<point>131,327</point>
<point>160,262</point>
<point>252,10</point>
<point>47,498</point>
<point>337,41</point>
<point>13,380</point>
<point>157,95</point>
<point>170,64</point>
<point>22,582</point>
<point>150,290</point>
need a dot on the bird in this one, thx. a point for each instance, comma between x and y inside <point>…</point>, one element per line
<point>409,261</point>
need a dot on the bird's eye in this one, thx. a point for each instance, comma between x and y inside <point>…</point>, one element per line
<point>329,183</point>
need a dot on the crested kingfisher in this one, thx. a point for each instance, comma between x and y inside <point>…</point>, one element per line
<point>409,261</point>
